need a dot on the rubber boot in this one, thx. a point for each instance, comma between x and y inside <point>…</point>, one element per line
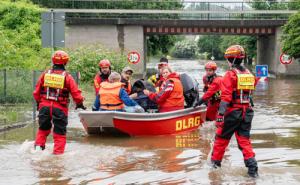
<point>59,144</point>
<point>41,138</point>
<point>216,164</point>
<point>251,164</point>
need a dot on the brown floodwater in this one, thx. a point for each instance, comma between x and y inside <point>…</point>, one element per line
<point>180,159</point>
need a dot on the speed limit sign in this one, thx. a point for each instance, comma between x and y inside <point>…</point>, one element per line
<point>133,57</point>
<point>285,59</point>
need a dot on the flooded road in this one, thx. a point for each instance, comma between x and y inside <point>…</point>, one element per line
<point>181,159</point>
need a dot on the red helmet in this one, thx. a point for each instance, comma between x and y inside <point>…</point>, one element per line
<point>104,63</point>
<point>235,51</point>
<point>60,57</point>
<point>162,64</point>
<point>211,65</point>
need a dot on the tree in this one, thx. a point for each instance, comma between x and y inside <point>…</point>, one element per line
<point>291,36</point>
<point>210,44</point>
<point>20,42</point>
<point>185,49</point>
<point>248,43</point>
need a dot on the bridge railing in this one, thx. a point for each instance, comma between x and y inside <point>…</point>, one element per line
<point>168,4</point>
<point>177,14</point>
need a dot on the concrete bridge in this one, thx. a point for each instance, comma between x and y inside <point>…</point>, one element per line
<point>127,29</point>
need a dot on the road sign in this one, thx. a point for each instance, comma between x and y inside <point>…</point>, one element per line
<point>285,59</point>
<point>133,57</point>
<point>53,29</point>
<point>261,70</point>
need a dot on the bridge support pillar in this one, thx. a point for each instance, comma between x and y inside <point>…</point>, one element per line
<point>134,40</point>
<point>269,51</point>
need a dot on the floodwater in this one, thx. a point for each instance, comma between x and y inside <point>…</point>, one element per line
<point>180,159</point>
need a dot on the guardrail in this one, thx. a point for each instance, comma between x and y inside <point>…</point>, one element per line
<point>178,14</point>
<point>167,4</point>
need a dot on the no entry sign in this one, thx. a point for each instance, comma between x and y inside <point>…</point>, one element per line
<point>285,59</point>
<point>133,57</point>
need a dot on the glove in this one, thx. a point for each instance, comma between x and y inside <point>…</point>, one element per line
<point>80,106</point>
<point>200,102</point>
<point>219,121</point>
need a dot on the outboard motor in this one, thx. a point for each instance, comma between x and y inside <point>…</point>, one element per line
<point>142,99</point>
<point>190,90</point>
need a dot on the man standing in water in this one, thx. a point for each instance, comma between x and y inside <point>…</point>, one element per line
<point>52,96</point>
<point>212,90</point>
<point>235,112</point>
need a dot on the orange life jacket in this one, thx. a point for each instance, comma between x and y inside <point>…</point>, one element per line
<point>242,93</point>
<point>54,87</point>
<point>109,96</point>
<point>176,98</point>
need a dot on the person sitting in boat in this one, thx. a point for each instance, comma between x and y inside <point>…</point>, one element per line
<point>125,78</point>
<point>102,74</point>
<point>141,98</point>
<point>112,97</point>
<point>170,97</point>
<point>157,79</point>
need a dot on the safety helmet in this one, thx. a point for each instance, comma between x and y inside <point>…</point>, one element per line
<point>162,64</point>
<point>60,57</point>
<point>211,65</point>
<point>235,51</point>
<point>104,63</point>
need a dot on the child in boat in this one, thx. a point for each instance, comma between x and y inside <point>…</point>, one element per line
<point>113,97</point>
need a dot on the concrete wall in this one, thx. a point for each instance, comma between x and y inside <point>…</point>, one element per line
<point>121,38</point>
<point>78,35</point>
<point>269,51</point>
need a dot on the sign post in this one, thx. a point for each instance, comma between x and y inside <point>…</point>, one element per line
<point>261,70</point>
<point>53,29</point>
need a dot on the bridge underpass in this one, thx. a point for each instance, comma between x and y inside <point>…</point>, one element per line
<point>127,30</point>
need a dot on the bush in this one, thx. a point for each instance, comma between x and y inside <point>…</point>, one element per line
<point>291,36</point>
<point>85,59</point>
<point>185,49</point>
<point>20,36</point>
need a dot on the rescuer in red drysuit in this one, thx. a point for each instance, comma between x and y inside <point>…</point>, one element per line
<point>212,91</point>
<point>235,112</point>
<point>52,97</point>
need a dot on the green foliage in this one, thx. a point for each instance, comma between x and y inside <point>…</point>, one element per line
<point>248,43</point>
<point>218,44</point>
<point>20,42</point>
<point>85,59</point>
<point>185,49</point>
<point>209,44</point>
<point>157,44</point>
<point>291,36</point>
<point>272,5</point>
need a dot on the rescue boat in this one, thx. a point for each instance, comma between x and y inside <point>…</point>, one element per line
<point>143,124</point>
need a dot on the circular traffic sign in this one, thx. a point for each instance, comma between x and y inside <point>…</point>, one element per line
<point>285,59</point>
<point>133,57</point>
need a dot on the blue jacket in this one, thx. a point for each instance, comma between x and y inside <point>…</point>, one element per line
<point>123,96</point>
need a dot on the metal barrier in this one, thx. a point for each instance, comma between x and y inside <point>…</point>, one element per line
<point>16,101</point>
<point>167,4</point>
